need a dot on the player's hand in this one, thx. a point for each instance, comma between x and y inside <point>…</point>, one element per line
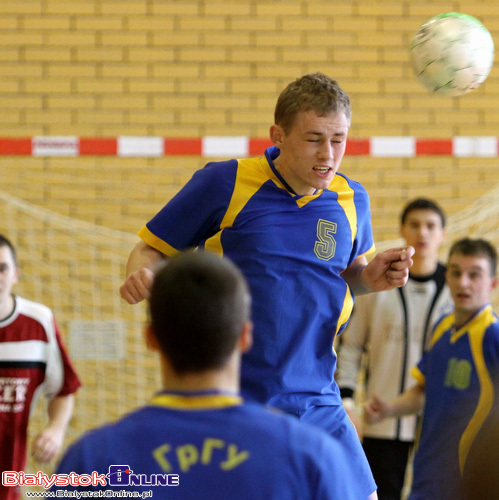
<point>389,269</point>
<point>47,445</point>
<point>353,415</point>
<point>376,410</point>
<point>137,286</point>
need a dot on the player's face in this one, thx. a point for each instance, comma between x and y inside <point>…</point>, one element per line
<point>470,283</point>
<point>311,152</point>
<point>8,273</point>
<point>422,229</point>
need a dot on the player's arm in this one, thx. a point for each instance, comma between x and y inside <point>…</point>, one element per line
<point>389,269</point>
<point>410,401</point>
<point>142,262</point>
<point>48,443</point>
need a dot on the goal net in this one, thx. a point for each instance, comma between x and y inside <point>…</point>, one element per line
<point>76,269</point>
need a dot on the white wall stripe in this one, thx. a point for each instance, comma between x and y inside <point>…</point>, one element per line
<point>393,147</point>
<point>482,147</point>
<point>225,146</point>
<point>463,146</point>
<point>486,147</point>
<point>141,146</point>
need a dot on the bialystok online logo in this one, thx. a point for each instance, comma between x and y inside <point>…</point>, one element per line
<point>118,475</point>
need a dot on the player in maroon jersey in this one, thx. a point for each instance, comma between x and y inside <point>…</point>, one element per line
<point>33,361</point>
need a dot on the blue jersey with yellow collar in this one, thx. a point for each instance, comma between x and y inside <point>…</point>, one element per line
<point>459,373</point>
<point>292,250</point>
<point>219,447</point>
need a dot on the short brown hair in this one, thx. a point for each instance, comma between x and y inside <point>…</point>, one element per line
<point>476,248</point>
<point>314,91</point>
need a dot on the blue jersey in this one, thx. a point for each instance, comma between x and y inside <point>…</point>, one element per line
<point>292,250</point>
<point>459,373</point>
<point>219,447</point>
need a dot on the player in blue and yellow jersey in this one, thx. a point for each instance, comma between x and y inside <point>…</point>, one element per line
<point>300,233</point>
<point>457,378</point>
<point>198,439</point>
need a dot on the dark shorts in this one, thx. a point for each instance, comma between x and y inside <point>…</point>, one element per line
<point>388,459</point>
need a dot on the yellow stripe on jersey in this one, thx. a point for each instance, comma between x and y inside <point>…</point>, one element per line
<point>303,200</point>
<point>346,310</point>
<point>416,373</point>
<point>476,332</point>
<point>249,179</point>
<point>199,402</point>
<point>346,201</point>
<point>157,243</point>
<point>441,328</point>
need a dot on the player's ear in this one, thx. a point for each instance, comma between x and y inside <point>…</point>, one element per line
<point>150,338</point>
<point>246,339</point>
<point>276,135</point>
<point>495,280</point>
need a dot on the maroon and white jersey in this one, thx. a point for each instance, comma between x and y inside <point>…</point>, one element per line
<point>33,361</point>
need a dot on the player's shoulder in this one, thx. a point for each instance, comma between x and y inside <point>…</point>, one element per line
<point>216,177</point>
<point>352,184</point>
<point>487,320</point>
<point>494,325</point>
<point>444,324</point>
<point>492,330</point>
<point>33,309</point>
<point>219,170</point>
<point>227,170</point>
<point>347,189</point>
<point>490,343</point>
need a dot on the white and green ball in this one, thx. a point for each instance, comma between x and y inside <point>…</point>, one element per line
<point>452,53</point>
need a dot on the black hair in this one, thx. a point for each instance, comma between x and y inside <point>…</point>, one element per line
<point>5,242</point>
<point>422,204</point>
<point>198,306</point>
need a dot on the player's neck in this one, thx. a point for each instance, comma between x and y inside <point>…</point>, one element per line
<point>462,317</point>
<point>225,380</point>
<point>6,307</point>
<point>423,266</point>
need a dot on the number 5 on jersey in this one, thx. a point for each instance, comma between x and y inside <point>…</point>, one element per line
<point>325,247</point>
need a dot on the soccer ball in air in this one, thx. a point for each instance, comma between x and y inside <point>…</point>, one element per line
<point>452,53</point>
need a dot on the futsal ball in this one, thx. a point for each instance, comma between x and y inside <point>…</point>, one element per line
<point>452,53</point>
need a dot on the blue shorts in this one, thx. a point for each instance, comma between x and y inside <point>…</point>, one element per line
<point>334,420</point>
